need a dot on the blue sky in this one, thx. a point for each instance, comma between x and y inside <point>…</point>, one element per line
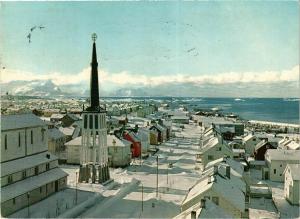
<point>151,38</point>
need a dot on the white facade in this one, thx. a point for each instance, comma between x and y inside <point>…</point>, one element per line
<point>278,159</point>
<point>292,183</point>
<point>213,150</point>
<point>94,137</point>
<point>249,143</point>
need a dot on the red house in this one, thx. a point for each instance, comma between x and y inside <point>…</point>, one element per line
<point>136,143</point>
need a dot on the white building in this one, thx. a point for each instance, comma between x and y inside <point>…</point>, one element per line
<point>292,183</point>
<point>249,142</point>
<point>222,187</point>
<point>212,150</point>
<point>29,172</point>
<point>277,160</point>
<point>119,151</point>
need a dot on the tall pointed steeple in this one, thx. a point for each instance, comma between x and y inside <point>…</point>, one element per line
<point>94,86</point>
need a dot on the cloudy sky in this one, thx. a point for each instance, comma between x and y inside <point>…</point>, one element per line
<point>156,44</point>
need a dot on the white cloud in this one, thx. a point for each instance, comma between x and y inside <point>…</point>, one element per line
<point>126,78</point>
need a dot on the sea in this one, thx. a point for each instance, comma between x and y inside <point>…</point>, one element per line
<point>283,110</point>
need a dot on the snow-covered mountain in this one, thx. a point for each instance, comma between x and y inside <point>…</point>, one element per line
<point>32,88</point>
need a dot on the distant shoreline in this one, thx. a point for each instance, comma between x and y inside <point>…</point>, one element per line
<point>274,123</point>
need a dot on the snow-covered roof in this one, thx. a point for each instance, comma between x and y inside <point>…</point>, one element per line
<point>274,154</point>
<point>237,168</point>
<point>260,144</point>
<point>55,134</point>
<point>74,142</point>
<point>210,144</point>
<point>293,145</point>
<point>57,116</point>
<point>118,142</point>
<point>31,183</point>
<point>67,130</point>
<point>9,122</point>
<point>231,189</point>
<point>25,163</point>
<point>248,137</point>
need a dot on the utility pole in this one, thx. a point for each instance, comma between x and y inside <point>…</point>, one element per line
<point>142,197</point>
<point>157,176</point>
<point>76,194</point>
<point>167,175</point>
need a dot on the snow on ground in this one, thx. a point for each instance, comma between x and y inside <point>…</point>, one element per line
<point>54,205</point>
<point>262,208</point>
<point>284,207</point>
<point>173,184</point>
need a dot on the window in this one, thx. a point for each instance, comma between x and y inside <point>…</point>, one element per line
<point>36,170</point>
<point>96,121</point>
<point>14,201</point>
<point>5,142</point>
<point>280,174</point>
<point>215,200</point>
<point>280,165</point>
<point>85,121</point>
<point>43,134</point>
<point>41,189</point>
<point>274,171</point>
<point>210,157</point>
<point>31,137</point>
<point>9,180</point>
<point>91,121</point>
<point>19,139</point>
<point>47,166</point>
<point>24,174</point>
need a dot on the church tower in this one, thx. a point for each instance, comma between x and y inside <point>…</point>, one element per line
<point>94,154</point>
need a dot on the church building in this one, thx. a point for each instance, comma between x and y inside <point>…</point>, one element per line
<point>94,152</point>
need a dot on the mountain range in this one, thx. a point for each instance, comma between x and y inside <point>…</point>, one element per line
<point>47,88</point>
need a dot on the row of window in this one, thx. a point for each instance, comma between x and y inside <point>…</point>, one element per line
<point>93,121</point>
<point>24,174</point>
<point>41,190</point>
<point>19,138</point>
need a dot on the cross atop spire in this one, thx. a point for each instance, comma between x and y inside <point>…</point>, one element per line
<point>94,37</point>
<point>94,87</point>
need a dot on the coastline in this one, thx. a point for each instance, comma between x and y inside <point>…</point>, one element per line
<point>274,123</point>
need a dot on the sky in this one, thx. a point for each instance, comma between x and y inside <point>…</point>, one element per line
<point>152,43</point>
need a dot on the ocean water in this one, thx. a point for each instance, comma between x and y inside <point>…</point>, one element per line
<point>284,110</point>
<point>266,109</point>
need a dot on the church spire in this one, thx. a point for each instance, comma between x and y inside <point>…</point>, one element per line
<point>94,87</point>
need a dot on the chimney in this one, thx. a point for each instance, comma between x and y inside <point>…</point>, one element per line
<point>228,171</point>
<point>202,203</point>
<point>193,215</point>
<point>209,180</point>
